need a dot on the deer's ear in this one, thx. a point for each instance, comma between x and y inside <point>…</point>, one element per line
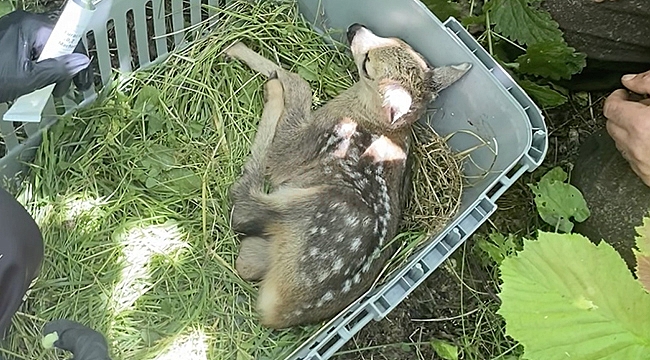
<point>442,77</point>
<point>397,102</point>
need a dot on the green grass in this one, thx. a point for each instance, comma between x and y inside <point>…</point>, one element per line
<point>148,259</point>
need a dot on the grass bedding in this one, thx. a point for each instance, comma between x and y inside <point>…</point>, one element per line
<point>132,198</point>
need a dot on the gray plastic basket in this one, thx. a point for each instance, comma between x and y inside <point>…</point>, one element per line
<point>486,102</point>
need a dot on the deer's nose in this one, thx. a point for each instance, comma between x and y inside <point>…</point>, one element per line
<point>352,30</point>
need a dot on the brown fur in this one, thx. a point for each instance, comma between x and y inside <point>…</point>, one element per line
<point>336,179</point>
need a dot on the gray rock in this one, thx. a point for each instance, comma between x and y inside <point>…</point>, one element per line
<point>617,198</point>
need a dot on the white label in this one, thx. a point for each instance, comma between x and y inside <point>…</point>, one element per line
<point>68,31</point>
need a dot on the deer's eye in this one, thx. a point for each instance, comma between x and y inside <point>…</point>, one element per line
<point>365,67</point>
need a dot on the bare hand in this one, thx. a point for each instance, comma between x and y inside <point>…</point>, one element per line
<point>629,123</point>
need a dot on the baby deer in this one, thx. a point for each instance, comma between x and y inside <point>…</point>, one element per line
<point>337,178</point>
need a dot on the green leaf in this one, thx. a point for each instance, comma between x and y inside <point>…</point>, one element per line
<point>443,9</point>
<point>473,20</point>
<point>557,201</point>
<point>5,7</point>
<point>551,59</point>
<point>445,350</point>
<point>565,298</point>
<point>520,21</point>
<point>498,247</point>
<point>543,94</point>
<point>642,253</point>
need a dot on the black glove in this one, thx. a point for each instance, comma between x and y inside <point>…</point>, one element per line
<point>83,342</point>
<point>22,38</point>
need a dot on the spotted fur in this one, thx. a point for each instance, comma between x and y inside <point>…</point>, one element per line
<point>337,176</point>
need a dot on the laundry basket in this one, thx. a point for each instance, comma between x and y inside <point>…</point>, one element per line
<point>486,102</point>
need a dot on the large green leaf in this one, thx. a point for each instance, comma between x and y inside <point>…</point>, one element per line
<point>558,202</point>
<point>565,298</point>
<point>642,253</point>
<point>522,22</point>
<point>443,9</point>
<point>543,94</point>
<point>551,59</point>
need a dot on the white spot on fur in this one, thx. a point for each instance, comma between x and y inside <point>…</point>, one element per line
<point>397,100</point>
<point>347,285</point>
<point>355,244</point>
<point>323,276</point>
<point>376,253</point>
<point>384,149</point>
<point>347,272</point>
<point>297,312</point>
<point>340,238</point>
<point>313,231</point>
<point>345,130</point>
<point>338,265</point>
<point>323,231</point>
<point>365,267</point>
<point>313,251</point>
<point>357,278</point>
<point>329,296</point>
<point>351,220</point>
<point>319,215</point>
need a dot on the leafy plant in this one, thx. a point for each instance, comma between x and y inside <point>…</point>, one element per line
<point>445,350</point>
<point>642,253</point>
<point>558,201</point>
<point>565,297</point>
<point>524,39</point>
<point>497,246</point>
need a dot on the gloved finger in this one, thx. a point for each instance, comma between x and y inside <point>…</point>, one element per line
<point>84,342</point>
<point>84,79</point>
<point>55,70</point>
<point>61,88</point>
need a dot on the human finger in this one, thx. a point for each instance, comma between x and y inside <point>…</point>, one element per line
<point>621,111</point>
<point>638,83</point>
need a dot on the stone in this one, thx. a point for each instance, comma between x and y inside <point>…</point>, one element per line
<point>617,198</point>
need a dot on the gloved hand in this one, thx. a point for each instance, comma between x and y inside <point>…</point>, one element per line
<point>85,343</point>
<point>22,38</point>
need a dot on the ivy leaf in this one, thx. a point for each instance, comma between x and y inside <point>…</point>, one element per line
<point>555,60</point>
<point>557,201</point>
<point>543,94</point>
<point>445,350</point>
<point>443,9</point>
<point>565,298</point>
<point>522,22</point>
<point>642,253</point>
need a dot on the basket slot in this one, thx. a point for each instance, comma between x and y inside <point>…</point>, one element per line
<point>8,134</point>
<point>102,51</point>
<point>142,42</point>
<point>159,27</point>
<point>178,22</point>
<point>123,51</point>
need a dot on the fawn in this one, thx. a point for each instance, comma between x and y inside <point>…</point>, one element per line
<point>322,192</point>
